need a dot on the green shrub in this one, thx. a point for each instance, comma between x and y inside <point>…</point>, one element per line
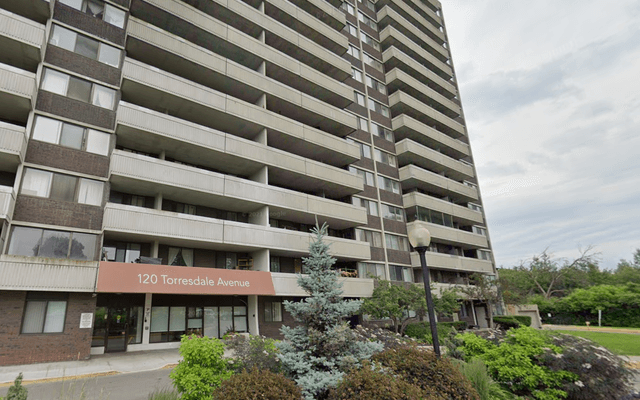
<point>257,384</point>
<point>365,383</point>
<point>17,391</point>
<point>435,376</point>
<point>514,362</point>
<point>487,388</point>
<point>164,394</point>
<point>458,325</point>
<point>422,330</point>
<point>202,368</point>
<point>506,321</point>
<point>255,352</point>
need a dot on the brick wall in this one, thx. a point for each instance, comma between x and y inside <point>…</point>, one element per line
<point>72,344</point>
<point>272,329</point>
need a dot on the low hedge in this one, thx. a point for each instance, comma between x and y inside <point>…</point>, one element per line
<point>420,330</point>
<point>512,321</point>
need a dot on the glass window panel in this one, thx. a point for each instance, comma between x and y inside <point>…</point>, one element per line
<point>25,241</point>
<point>132,253</point>
<point>72,136</point>
<point>114,16</point>
<point>36,183</point>
<point>226,320</point>
<point>109,55</point>
<point>83,246</point>
<point>240,324</point>
<point>98,142</point>
<point>55,244</point>
<point>109,253</point>
<point>34,316</point>
<point>94,8</point>
<point>277,311</point>
<point>103,97</point>
<point>211,322</point>
<point>407,274</point>
<point>79,89</point>
<point>159,319</point>
<point>177,320</point>
<point>135,325</point>
<point>54,322</point>
<point>63,38</point>
<point>63,187</point>
<point>90,192</point>
<point>87,47</point>
<point>46,129</point>
<point>77,4</point>
<point>194,323</point>
<point>55,82</point>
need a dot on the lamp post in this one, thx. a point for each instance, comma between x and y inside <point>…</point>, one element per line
<point>419,237</point>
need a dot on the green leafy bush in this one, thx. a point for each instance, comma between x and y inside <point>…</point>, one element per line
<point>257,384</point>
<point>202,368</point>
<point>488,389</point>
<point>458,325</point>
<point>437,377</point>
<point>515,362</point>
<point>512,321</point>
<point>17,391</point>
<point>366,383</point>
<point>601,375</point>
<point>255,352</point>
<point>422,331</point>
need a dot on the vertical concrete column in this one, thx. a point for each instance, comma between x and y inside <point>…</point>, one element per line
<point>155,248</point>
<point>261,259</point>
<point>254,326</point>
<point>260,216</point>
<point>147,319</point>
<point>261,176</point>
<point>261,137</point>
<point>157,204</point>
<point>162,155</point>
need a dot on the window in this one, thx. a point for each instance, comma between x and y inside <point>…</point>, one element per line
<point>83,45</point>
<point>376,85</point>
<point>379,108</point>
<point>275,264</point>
<point>367,21</point>
<point>388,184</point>
<point>363,124</point>
<point>474,207</point>
<point>382,132</point>
<point>371,270</point>
<point>272,311</point>
<point>99,9</point>
<point>359,98</point>
<point>180,257</point>
<point>356,74</point>
<point>395,242</point>
<point>369,40</point>
<point>470,184</point>
<point>391,212</point>
<point>484,255</point>
<point>369,4</point>
<point>352,30</point>
<point>385,158</point>
<point>373,238</point>
<point>372,62</point>
<point>371,206</point>
<point>400,274</point>
<point>348,8</point>
<point>61,187</point>
<point>36,242</point>
<point>78,89</point>
<point>353,51</point>
<point>366,175</point>
<point>122,252</point>
<point>44,312</point>
<point>434,217</point>
<point>479,230</point>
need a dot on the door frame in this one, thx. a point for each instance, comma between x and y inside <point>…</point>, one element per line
<point>126,328</point>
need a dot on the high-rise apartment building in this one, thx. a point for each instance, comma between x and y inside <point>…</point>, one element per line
<point>162,161</point>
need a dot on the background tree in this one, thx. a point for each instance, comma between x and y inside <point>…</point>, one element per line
<point>318,352</point>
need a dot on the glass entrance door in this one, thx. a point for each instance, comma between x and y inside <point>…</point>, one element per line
<point>117,329</point>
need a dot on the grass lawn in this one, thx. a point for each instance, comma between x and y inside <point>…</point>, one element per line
<point>623,344</point>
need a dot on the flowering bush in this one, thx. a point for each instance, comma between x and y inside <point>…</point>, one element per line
<point>388,339</point>
<point>255,352</point>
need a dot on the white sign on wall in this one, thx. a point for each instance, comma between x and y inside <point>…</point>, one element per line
<point>86,320</point>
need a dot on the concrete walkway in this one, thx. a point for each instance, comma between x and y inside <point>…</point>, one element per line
<point>605,329</point>
<point>106,364</point>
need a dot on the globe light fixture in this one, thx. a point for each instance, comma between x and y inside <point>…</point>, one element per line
<point>420,237</point>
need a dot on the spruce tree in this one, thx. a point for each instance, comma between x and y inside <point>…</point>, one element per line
<point>318,351</point>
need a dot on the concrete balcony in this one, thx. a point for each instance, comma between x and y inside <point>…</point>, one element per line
<point>324,11</point>
<point>402,103</point>
<point>161,91</point>
<point>451,262</point>
<point>453,236</point>
<point>13,145</point>
<point>412,176</point>
<point>183,58</point>
<point>410,152</point>
<point>35,10</point>
<point>135,223</point>
<point>462,214</point>
<point>413,25</point>
<point>392,37</point>
<point>405,127</point>
<point>7,202</point>
<point>396,58</point>
<point>399,80</point>
<point>425,11</point>
<point>287,285</point>
<point>20,40</point>
<point>235,44</point>
<point>148,176</point>
<point>17,88</point>
<point>35,273</point>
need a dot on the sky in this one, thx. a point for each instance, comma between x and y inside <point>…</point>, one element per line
<point>551,96</point>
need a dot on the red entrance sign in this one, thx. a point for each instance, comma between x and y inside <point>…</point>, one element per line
<point>116,277</point>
